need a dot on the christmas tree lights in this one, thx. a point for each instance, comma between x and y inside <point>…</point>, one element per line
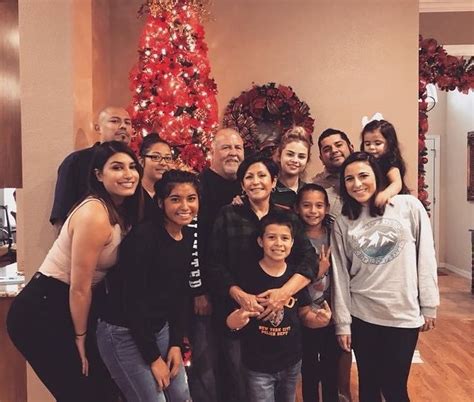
<point>173,93</point>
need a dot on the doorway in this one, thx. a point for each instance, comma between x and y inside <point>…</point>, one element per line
<point>432,179</point>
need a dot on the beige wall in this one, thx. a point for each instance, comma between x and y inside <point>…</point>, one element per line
<point>448,28</point>
<point>326,52</point>
<point>48,106</point>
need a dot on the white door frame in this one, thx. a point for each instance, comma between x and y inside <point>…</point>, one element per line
<point>435,141</point>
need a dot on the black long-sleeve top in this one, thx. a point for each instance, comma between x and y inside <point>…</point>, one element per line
<point>216,191</point>
<point>233,248</point>
<point>152,273</point>
<point>72,182</point>
<point>153,212</point>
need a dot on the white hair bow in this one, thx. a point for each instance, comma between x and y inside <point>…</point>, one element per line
<point>366,120</point>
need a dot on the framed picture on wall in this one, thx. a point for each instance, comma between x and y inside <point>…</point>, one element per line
<point>470,166</point>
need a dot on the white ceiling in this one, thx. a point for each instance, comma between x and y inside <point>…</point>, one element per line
<point>439,6</point>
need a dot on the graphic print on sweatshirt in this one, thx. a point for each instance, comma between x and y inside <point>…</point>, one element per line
<point>378,241</point>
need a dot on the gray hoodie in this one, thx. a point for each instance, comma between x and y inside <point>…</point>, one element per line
<point>384,267</point>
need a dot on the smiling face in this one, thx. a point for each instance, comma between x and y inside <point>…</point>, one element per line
<point>276,242</point>
<point>153,170</point>
<point>294,158</point>
<point>181,205</point>
<point>360,181</point>
<point>334,151</point>
<point>312,207</point>
<point>374,143</point>
<point>119,176</point>
<point>227,153</point>
<point>258,183</point>
<point>115,125</point>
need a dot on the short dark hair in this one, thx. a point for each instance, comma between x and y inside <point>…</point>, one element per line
<point>271,166</point>
<point>173,177</point>
<point>311,187</point>
<point>133,205</point>
<point>332,131</point>
<point>350,207</point>
<point>276,217</point>
<point>149,140</point>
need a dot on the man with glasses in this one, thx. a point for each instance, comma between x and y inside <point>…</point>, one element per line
<point>113,124</point>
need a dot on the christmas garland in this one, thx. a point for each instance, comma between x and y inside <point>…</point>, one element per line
<point>262,114</point>
<point>448,73</point>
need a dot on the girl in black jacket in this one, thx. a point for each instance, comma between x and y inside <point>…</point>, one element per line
<point>141,333</point>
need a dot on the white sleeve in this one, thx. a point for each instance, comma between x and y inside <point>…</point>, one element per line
<point>341,297</point>
<point>428,292</point>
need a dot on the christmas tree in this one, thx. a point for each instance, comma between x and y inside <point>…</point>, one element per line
<point>173,93</point>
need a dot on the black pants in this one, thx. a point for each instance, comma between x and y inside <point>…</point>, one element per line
<point>321,354</point>
<point>383,357</point>
<point>40,325</point>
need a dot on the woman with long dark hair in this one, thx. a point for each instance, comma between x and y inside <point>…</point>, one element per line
<point>48,321</point>
<point>385,282</point>
<point>141,334</point>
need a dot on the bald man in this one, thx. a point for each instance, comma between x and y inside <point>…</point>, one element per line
<point>113,124</point>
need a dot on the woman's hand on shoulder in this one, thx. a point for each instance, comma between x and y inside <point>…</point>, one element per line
<point>237,200</point>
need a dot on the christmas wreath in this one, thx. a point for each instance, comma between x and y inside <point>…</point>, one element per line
<point>263,113</point>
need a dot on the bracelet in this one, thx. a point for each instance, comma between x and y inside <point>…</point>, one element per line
<point>79,335</point>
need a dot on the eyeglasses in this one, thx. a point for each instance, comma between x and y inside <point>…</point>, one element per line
<point>159,158</point>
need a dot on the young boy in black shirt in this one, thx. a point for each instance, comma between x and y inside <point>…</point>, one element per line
<point>271,350</point>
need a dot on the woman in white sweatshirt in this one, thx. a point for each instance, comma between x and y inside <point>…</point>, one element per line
<point>385,283</point>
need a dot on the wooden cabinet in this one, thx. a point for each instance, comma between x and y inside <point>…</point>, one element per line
<point>10,114</point>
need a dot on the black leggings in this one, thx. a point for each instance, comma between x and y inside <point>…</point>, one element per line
<point>40,325</point>
<point>321,354</point>
<point>383,357</point>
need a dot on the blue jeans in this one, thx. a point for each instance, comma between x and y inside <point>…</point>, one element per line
<point>274,387</point>
<point>131,373</point>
